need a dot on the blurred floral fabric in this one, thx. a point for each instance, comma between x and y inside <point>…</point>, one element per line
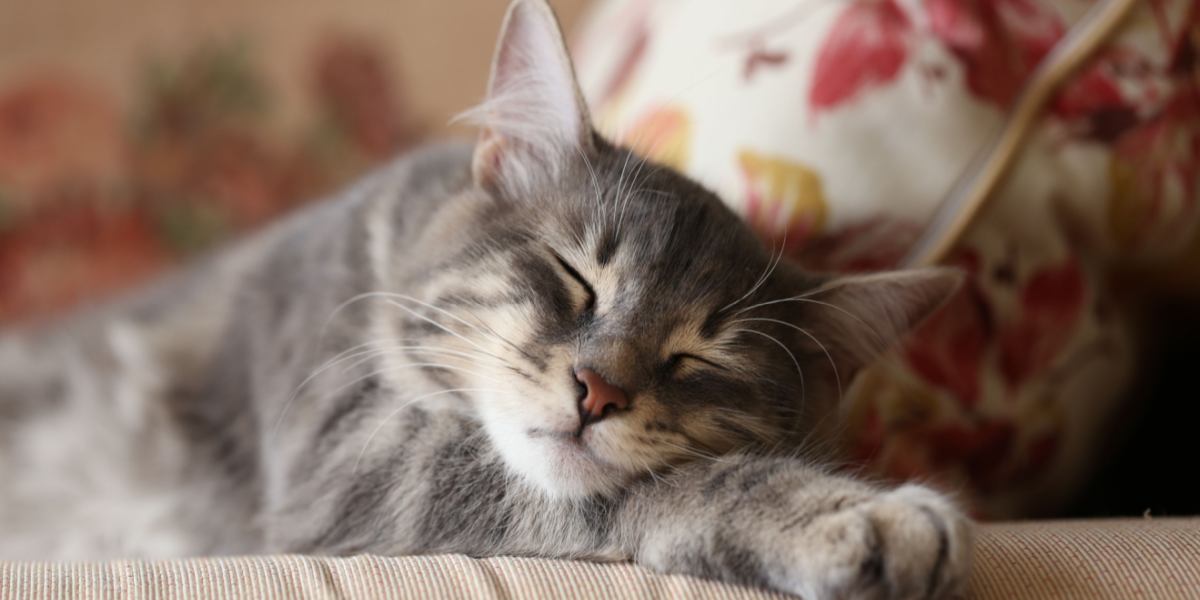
<point>96,195</point>
<point>836,127</point>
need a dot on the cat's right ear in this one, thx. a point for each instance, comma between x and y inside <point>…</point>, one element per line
<point>855,318</point>
<point>534,117</point>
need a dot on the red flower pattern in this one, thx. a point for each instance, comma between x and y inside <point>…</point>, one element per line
<point>947,350</point>
<point>1157,194</point>
<point>1051,304</point>
<point>999,42</point>
<point>866,47</point>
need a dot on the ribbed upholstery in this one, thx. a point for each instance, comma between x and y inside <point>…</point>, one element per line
<point>1157,558</point>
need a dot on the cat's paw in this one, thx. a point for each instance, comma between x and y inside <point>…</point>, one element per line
<point>910,542</point>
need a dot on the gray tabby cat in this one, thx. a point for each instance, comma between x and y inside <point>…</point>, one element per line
<point>539,346</point>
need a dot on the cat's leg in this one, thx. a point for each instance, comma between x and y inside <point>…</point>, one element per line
<point>786,525</point>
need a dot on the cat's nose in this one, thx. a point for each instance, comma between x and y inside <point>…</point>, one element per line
<point>600,398</point>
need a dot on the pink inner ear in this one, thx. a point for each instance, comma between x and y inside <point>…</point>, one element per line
<point>515,53</point>
<point>485,166</point>
<point>534,114</point>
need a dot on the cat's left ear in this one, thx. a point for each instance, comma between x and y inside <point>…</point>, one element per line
<point>858,317</point>
<point>534,117</point>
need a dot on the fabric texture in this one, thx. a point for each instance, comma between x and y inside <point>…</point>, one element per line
<point>835,128</point>
<point>1148,558</point>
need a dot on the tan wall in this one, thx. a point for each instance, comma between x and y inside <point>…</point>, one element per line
<point>440,48</point>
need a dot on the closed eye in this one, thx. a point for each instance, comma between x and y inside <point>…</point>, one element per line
<point>677,359</point>
<point>590,303</point>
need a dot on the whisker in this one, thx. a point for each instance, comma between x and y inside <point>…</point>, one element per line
<point>406,404</point>
<point>630,191</point>
<point>362,356</point>
<point>432,306</point>
<point>693,452</point>
<point>599,195</point>
<point>623,198</point>
<point>495,334</point>
<point>339,308</point>
<point>633,180</point>
<point>645,465</point>
<point>766,275</point>
<point>390,296</point>
<point>837,378</point>
<point>754,424</point>
<point>803,391</point>
<point>617,201</point>
<point>445,328</point>
<point>422,365</point>
<point>805,298</point>
<point>489,331</point>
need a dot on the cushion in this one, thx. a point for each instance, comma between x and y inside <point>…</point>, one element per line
<point>1144,558</point>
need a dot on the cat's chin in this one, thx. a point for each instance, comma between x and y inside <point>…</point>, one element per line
<point>559,464</point>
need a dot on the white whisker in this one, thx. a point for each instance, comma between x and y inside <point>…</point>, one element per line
<point>406,404</point>
<point>446,329</point>
<point>617,200</point>
<point>837,378</point>
<point>693,452</point>
<point>764,277</point>
<point>490,332</point>
<point>599,195</point>
<point>803,391</point>
<point>361,357</point>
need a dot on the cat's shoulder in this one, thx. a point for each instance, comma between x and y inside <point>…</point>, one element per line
<point>433,168</point>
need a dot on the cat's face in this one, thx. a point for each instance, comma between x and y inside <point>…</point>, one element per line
<point>624,332</point>
<point>611,318</point>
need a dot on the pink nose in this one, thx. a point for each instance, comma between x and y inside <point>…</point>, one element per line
<point>601,397</point>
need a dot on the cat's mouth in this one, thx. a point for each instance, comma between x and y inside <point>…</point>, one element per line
<point>572,444</point>
<point>565,464</point>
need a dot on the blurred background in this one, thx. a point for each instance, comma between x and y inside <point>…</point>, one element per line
<point>137,133</point>
<point>134,133</point>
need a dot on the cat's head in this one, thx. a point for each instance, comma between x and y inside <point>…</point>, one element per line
<point>612,317</point>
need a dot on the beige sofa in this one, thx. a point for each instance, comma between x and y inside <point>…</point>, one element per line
<point>1120,559</point>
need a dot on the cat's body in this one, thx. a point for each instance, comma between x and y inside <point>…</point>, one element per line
<point>541,346</point>
<point>124,426</point>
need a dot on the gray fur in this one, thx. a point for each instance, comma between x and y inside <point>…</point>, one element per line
<point>390,371</point>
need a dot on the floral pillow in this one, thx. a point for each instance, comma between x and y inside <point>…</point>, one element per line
<point>836,127</point>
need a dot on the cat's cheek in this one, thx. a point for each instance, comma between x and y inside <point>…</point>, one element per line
<point>618,444</point>
<point>509,326</point>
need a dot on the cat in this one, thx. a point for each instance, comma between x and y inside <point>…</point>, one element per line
<point>534,345</point>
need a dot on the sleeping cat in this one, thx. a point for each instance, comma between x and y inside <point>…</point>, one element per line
<point>536,346</point>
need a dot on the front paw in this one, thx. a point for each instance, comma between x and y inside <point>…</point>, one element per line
<point>910,542</point>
